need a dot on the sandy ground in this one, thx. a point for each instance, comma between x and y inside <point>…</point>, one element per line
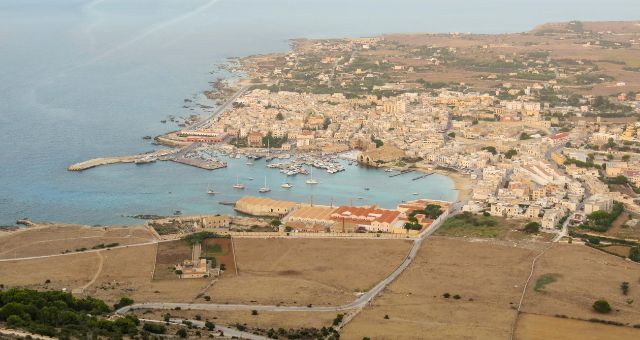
<point>489,274</point>
<point>534,327</point>
<point>585,275</point>
<point>462,183</point>
<point>303,271</point>
<point>56,239</point>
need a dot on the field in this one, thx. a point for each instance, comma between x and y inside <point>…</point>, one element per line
<point>534,327</point>
<point>479,226</point>
<point>488,279</point>
<point>169,254</point>
<point>56,239</point>
<point>303,271</point>
<point>584,276</point>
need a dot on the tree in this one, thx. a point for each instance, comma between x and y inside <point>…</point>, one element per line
<point>276,223</point>
<point>279,116</point>
<point>509,154</point>
<point>490,149</point>
<point>452,134</point>
<point>124,301</point>
<point>602,306</point>
<point>626,158</point>
<point>531,228</point>
<point>524,136</point>
<point>634,254</point>
<point>254,312</point>
<point>209,325</point>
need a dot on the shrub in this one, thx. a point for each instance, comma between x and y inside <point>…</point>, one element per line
<point>182,333</point>
<point>625,288</point>
<point>386,316</point>
<point>254,312</point>
<point>531,228</point>
<point>446,295</point>
<point>602,306</point>
<point>209,325</point>
<point>124,301</point>
<point>154,328</point>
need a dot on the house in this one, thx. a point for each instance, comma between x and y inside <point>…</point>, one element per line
<point>598,202</point>
<point>259,206</point>
<point>254,139</point>
<point>369,218</point>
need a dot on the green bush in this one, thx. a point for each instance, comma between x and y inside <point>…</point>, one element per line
<point>602,306</point>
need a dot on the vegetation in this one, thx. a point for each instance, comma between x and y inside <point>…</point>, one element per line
<point>602,306</point>
<point>531,228</point>
<point>198,237</point>
<point>490,149</point>
<point>468,224</point>
<point>634,254</point>
<point>124,301</point>
<point>509,154</point>
<point>274,142</point>
<point>154,328</point>
<point>601,220</point>
<point>59,314</point>
<point>544,280</point>
<point>625,288</point>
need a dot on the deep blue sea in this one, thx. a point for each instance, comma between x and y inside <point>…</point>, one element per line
<point>83,79</point>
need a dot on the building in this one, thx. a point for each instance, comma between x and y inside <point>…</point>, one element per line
<point>598,202</point>
<point>259,206</point>
<point>366,218</point>
<point>311,217</point>
<point>254,139</point>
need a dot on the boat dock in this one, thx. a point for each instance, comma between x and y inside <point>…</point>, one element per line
<point>423,176</point>
<point>402,172</point>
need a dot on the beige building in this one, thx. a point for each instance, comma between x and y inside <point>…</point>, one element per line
<point>598,202</point>
<point>259,206</point>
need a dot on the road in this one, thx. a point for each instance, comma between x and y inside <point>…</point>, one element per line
<point>207,122</point>
<point>228,332</point>
<point>360,302</point>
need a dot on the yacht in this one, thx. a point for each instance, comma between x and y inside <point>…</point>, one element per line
<point>286,185</point>
<point>311,180</point>
<point>238,185</point>
<point>265,188</point>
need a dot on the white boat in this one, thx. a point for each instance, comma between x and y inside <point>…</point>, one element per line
<point>286,185</point>
<point>250,178</point>
<point>311,180</point>
<point>238,185</point>
<point>415,194</point>
<point>265,188</point>
<point>249,163</point>
<point>237,156</point>
<point>210,191</point>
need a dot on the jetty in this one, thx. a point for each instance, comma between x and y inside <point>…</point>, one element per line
<point>423,176</point>
<point>143,158</point>
<point>402,172</point>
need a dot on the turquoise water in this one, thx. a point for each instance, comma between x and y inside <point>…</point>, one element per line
<point>82,79</point>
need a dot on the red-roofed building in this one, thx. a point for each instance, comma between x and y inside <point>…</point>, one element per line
<point>559,138</point>
<point>372,219</point>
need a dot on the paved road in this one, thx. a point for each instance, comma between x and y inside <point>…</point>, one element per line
<point>360,302</point>
<point>228,332</point>
<point>219,110</point>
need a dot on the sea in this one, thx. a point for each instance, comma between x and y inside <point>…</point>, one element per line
<point>83,79</point>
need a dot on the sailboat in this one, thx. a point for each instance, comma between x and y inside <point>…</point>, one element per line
<point>311,180</point>
<point>265,188</point>
<point>238,185</point>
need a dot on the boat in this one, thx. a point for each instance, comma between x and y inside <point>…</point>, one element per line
<point>163,121</point>
<point>146,137</point>
<point>311,180</point>
<point>265,188</point>
<point>238,185</point>
<point>249,163</point>
<point>415,194</point>
<point>211,191</point>
<point>388,170</point>
<point>144,160</point>
<point>286,185</point>
<point>237,156</point>
<point>250,178</point>
<point>367,189</point>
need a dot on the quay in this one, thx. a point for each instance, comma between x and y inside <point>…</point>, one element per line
<point>142,158</point>
<point>402,172</point>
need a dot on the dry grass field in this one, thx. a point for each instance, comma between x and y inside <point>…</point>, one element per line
<point>585,275</point>
<point>303,271</point>
<point>221,249</point>
<point>56,239</point>
<point>534,327</point>
<point>487,277</point>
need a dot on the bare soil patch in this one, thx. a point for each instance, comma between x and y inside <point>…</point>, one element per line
<point>487,277</point>
<point>169,254</point>
<point>305,271</point>
<point>533,327</point>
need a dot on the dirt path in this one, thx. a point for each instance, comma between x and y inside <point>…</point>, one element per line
<point>98,272</point>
